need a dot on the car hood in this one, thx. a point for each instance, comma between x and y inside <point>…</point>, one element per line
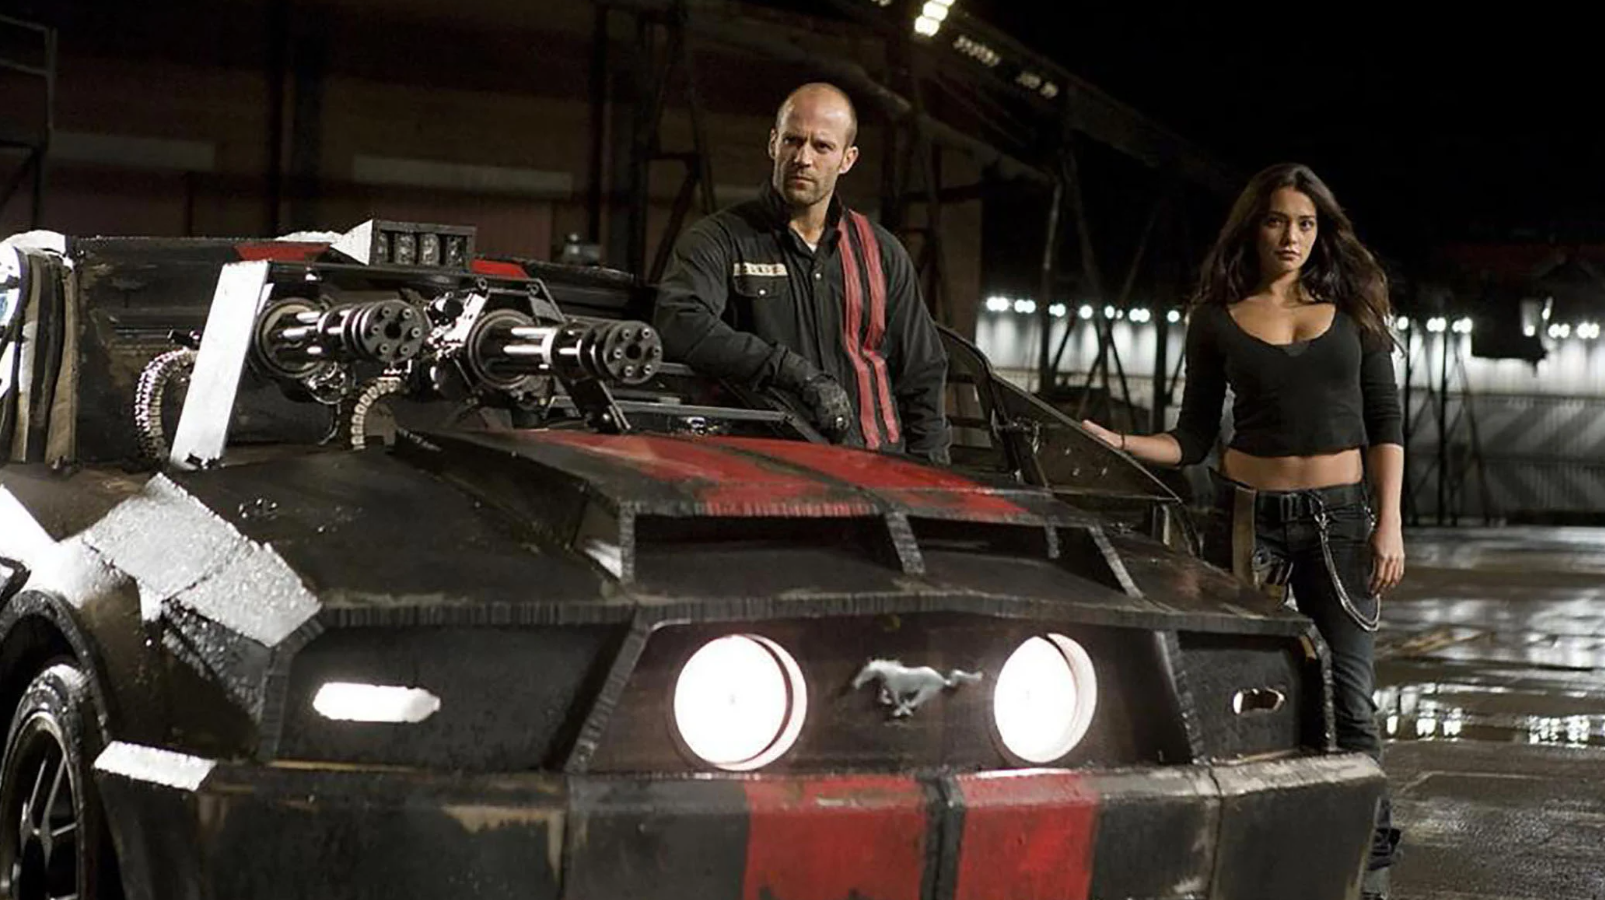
<point>242,565</point>
<point>551,526</point>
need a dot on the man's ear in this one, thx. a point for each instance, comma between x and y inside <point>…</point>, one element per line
<point>848,158</point>
<point>774,138</point>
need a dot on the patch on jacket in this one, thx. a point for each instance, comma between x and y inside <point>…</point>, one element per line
<point>766,270</point>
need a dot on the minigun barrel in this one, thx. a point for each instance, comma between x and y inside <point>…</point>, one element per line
<point>388,331</point>
<point>619,352</point>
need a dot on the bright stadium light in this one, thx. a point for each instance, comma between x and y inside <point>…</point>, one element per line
<point>1025,307</point>
<point>1085,311</point>
<point>1402,323</point>
<point>1437,324</point>
<point>1057,310</point>
<point>1462,326</point>
<point>929,21</point>
<point>997,304</point>
<point>977,51</point>
<point>1173,316</point>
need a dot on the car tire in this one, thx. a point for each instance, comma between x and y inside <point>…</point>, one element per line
<point>53,838</point>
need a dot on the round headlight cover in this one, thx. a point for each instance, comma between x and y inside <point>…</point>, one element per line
<point>739,702</point>
<point>1044,698</point>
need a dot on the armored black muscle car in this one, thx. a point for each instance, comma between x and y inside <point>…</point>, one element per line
<point>367,566</point>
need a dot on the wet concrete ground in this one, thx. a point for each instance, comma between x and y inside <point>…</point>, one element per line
<point>1491,689</point>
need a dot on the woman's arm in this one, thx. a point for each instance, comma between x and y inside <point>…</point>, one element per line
<point>1386,465</point>
<point>1198,423</point>
<point>1159,449</point>
<point>1384,431</point>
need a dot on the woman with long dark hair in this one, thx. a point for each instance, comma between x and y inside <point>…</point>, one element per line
<point>1292,314</point>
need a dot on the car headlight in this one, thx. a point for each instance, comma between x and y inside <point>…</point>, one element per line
<point>739,702</point>
<point>1044,698</point>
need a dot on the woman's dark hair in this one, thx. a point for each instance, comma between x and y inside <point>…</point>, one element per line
<point>1339,269</point>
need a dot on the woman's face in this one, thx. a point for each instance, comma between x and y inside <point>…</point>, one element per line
<point>1286,233</point>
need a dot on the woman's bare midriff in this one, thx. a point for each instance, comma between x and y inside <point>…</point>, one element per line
<point>1293,473</point>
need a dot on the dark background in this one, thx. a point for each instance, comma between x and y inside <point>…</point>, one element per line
<point>1432,124</point>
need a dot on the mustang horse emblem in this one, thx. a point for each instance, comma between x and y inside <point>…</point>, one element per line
<point>905,689</point>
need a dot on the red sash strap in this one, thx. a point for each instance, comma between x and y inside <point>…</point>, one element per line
<point>852,317</point>
<point>871,248</point>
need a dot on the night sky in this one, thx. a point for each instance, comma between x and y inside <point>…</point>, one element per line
<point>1430,128</point>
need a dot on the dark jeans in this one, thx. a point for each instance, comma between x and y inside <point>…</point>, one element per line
<point>1288,548</point>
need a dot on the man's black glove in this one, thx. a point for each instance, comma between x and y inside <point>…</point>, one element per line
<point>826,402</point>
<point>828,405</point>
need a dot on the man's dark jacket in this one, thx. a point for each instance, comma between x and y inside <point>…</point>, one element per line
<point>742,291</point>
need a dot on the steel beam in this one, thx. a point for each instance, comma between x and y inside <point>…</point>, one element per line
<point>1081,105</point>
<point>717,22</point>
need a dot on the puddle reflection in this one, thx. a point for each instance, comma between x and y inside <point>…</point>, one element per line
<point>1422,712</point>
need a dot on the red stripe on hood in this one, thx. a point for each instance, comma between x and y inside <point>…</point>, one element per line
<point>498,268</point>
<point>280,251</point>
<point>834,838</point>
<point>722,482</point>
<point>918,487</point>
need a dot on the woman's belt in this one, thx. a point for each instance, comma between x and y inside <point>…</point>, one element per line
<point>1289,506</point>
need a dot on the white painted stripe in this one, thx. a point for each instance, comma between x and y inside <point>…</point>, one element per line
<point>391,170</point>
<point>154,765</point>
<point>131,152</point>
<point>203,423</point>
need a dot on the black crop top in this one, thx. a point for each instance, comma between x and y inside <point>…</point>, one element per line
<point>1326,394</point>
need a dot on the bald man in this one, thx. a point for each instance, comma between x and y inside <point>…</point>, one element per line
<point>795,291</point>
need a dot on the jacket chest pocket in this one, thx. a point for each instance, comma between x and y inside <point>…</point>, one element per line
<point>760,288</point>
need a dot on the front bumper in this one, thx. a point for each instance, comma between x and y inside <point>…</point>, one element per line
<point>193,828</point>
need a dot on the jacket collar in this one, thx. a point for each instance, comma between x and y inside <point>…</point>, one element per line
<point>779,214</point>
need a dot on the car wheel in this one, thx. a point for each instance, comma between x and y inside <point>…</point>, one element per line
<point>52,834</point>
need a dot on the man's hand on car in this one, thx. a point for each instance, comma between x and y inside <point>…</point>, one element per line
<point>828,407</point>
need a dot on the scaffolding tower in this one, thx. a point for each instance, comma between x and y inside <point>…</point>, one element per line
<point>1444,403</point>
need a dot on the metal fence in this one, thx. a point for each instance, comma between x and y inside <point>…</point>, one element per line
<point>1534,457</point>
